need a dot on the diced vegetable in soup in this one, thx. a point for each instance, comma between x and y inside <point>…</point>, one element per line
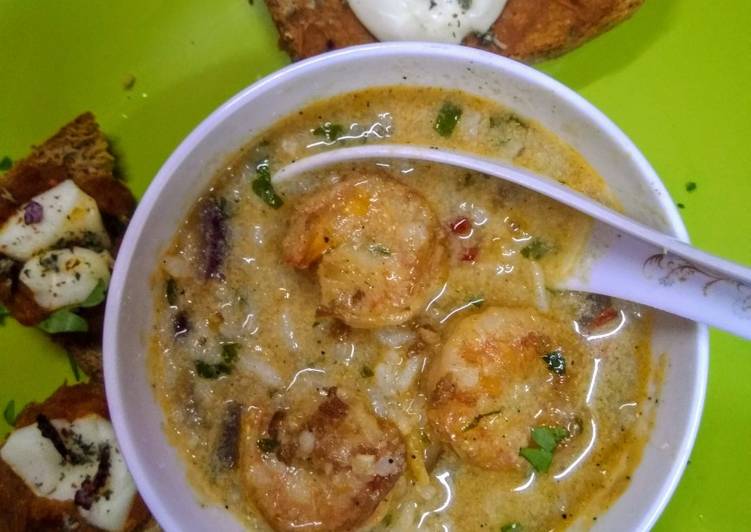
<point>377,345</point>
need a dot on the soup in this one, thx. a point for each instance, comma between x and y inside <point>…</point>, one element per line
<point>379,345</point>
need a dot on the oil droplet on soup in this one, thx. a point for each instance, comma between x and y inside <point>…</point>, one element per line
<point>376,346</point>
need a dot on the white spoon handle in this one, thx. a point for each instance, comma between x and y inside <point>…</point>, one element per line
<point>671,274</point>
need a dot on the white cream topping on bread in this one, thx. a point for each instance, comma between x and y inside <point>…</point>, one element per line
<point>65,277</point>
<point>64,213</point>
<point>34,458</point>
<point>447,21</point>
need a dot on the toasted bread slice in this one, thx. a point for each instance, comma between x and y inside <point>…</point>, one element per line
<point>79,151</point>
<point>527,30</point>
<point>22,510</point>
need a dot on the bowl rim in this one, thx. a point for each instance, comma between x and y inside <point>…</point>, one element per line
<point>113,388</point>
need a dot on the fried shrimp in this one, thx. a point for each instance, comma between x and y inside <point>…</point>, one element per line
<point>378,246</point>
<point>320,464</point>
<point>501,373</point>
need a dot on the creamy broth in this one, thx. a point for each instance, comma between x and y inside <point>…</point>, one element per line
<point>375,351</point>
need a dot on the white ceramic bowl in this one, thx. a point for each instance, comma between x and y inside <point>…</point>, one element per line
<point>155,465</point>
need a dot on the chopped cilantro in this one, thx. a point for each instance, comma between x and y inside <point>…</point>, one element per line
<point>63,321</point>
<point>229,353</point>
<point>330,132</point>
<point>512,527</point>
<point>690,186</point>
<point>366,372</point>
<point>10,413</point>
<point>447,118</point>
<point>5,163</point>
<point>96,296</point>
<point>267,445</point>
<point>170,291</point>
<point>539,458</point>
<point>74,368</point>
<point>262,186</point>
<point>536,249</point>
<point>548,439</point>
<point>476,421</point>
<point>556,362</point>
<point>214,371</point>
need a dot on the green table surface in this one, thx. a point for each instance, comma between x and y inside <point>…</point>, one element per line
<point>676,78</point>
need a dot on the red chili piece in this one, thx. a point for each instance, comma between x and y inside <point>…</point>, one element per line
<point>607,315</point>
<point>470,254</point>
<point>461,226</point>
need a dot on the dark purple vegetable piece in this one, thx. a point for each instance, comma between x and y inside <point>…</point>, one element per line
<point>49,431</point>
<point>86,494</point>
<point>229,436</point>
<point>181,325</point>
<point>214,233</point>
<point>33,213</point>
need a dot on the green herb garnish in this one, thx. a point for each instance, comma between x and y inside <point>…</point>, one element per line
<point>465,4</point>
<point>366,372</point>
<point>263,188</point>
<point>225,367</point>
<point>476,421</point>
<point>690,186</point>
<point>63,321</point>
<point>10,413</point>
<point>3,313</point>
<point>229,353</point>
<point>476,301</point>
<point>170,291</point>
<point>74,368</point>
<point>212,371</point>
<point>536,249</point>
<point>447,119</point>
<point>5,163</point>
<point>539,458</point>
<point>267,445</point>
<point>556,362</point>
<point>96,296</point>
<point>548,439</point>
<point>330,132</point>
<point>512,527</point>
<point>379,249</point>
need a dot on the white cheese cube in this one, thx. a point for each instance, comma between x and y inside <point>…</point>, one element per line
<point>65,277</point>
<point>34,458</point>
<point>67,214</point>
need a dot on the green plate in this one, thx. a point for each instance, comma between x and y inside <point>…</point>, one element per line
<point>676,78</point>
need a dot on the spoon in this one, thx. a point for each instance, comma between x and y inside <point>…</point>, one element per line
<point>625,258</point>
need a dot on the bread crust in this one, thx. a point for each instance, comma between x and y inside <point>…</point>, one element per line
<point>527,30</point>
<point>22,510</point>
